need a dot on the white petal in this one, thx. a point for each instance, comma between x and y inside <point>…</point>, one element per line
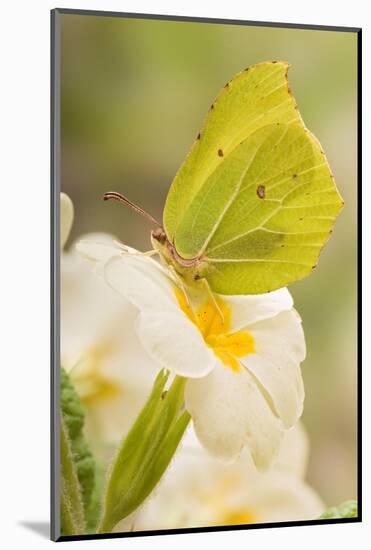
<point>66,217</point>
<point>100,247</point>
<point>175,343</point>
<point>279,496</point>
<point>198,491</point>
<point>98,341</point>
<point>294,452</point>
<point>93,316</point>
<point>249,309</point>
<point>280,346</point>
<point>166,333</point>
<point>229,412</point>
<point>142,281</point>
<point>284,332</point>
<point>97,250</point>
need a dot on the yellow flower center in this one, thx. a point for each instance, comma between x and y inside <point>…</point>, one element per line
<point>91,384</point>
<point>219,501</point>
<point>214,321</point>
<point>240,516</point>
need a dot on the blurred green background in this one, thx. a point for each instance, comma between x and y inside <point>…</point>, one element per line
<point>134,95</point>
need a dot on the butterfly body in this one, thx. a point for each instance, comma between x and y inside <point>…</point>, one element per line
<point>190,269</point>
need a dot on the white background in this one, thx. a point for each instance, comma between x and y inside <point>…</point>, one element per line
<point>24,218</point>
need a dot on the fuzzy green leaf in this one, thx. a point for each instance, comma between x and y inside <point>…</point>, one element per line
<point>73,415</point>
<point>72,509</point>
<point>348,509</point>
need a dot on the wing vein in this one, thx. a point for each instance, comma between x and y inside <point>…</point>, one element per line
<point>261,226</point>
<point>234,195</point>
<point>311,206</point>
<point>254,260</point>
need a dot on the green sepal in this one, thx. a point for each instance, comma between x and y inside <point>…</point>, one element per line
<point>348,509</point>
<point>146,451</point>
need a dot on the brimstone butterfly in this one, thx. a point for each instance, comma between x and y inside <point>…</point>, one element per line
<point>254,201</point>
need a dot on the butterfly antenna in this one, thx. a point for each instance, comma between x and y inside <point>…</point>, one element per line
<point>121,198</point>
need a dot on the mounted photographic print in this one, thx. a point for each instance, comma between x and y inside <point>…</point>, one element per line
<point>205,192</point>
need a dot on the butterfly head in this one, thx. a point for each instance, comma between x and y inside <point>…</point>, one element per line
<point>159,236</point>
<point>191,270</point>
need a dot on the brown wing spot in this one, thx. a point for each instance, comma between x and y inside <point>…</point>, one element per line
<point>260,191</point>
<point>220,152</point>
<point>212,107</point>
<point>198,136</point>
<point>294,175</point>
<point>226,85</point>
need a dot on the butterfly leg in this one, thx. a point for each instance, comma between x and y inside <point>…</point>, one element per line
<point>178,280</point>
<point>150,253</point>
<point>137,253</point>
<point>213,299</point>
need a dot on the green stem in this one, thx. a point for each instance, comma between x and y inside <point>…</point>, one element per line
<point>72,509</point>
<point>146,452</point>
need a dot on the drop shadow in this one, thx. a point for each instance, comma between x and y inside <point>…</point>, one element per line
<point>41,528</point>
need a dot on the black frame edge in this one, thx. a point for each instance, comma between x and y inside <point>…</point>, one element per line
<point>169,17</point>
<point>55,275</point>
<point>359,272</point>
<point>191,530</point>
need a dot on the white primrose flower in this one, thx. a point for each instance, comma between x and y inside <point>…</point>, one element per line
<point>241,354</point>
<point>99,347</point>
<point>66,218</point>
<point>198,491</point>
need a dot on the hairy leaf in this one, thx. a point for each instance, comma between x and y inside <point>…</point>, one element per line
<point>348,509</point>
<point>72,509</point>
<point>73,419</point>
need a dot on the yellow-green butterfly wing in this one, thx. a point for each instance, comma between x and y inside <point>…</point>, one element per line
<point>253,98</point>
<point>255,198</point>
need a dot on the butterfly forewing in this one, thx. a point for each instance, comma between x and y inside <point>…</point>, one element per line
<point>254,98</point>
